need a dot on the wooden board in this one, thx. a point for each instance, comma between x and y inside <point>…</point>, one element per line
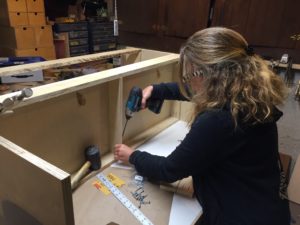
<point>14,6</point>
<point>49,91</point>
<point>25,179</point>
<point>17,37</point>
<point>61,119</point>
<point>91,206</point>
<point>58,130</point>
<point>145,119</point>
<point>7,71</point>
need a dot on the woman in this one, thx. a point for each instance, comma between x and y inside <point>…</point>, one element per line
<point>231,150</point>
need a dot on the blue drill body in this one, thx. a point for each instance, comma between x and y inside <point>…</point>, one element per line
<point>134,104</point>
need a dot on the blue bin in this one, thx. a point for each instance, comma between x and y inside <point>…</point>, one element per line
<point>13,61</point>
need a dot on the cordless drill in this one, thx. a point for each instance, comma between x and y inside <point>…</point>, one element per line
<point>134,104</point>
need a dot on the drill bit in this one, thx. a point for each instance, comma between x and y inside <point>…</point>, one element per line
<point>124,127</point>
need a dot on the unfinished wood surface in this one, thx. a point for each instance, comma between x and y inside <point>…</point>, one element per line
<point>32,191</point>
<point>91,206</point>
<point>48,91</point>
<point>116,110</point>
<point>149,133</point>
<point>145,119</point>
<point>7,71</point>
<point>294,185</point>
<point>61,119</point>
<point>59,130</point>
<point>186,111</point>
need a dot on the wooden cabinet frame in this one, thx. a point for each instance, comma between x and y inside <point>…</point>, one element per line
<point>42,142</point>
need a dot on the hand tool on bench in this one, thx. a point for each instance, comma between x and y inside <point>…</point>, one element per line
<point>92,155</point>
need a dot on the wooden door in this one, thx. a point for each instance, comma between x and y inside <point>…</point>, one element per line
<point>183,18</point>
<point>232,14</point>
<point>290,25</point>
<point>263,23</point>
<point>139,16</point>
<point>258,21</point>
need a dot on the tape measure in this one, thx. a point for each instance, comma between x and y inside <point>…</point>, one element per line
<point>125,201</point>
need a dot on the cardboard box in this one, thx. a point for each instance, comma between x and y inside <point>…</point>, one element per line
<point>43,36</point>
<point>36,18</point>
<point>35,5</point>
<point>13,5</point>
<point>13,18</point>
<point>17,37</point>
<point>47,53</point>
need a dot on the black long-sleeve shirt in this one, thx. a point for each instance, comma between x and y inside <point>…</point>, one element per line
<point>235,170</point>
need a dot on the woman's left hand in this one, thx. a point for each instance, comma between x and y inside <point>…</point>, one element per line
<point>122,152</point>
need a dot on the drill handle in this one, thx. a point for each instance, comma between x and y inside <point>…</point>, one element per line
<point>154,105</point>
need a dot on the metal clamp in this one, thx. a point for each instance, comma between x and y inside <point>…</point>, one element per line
<point>8,103</point>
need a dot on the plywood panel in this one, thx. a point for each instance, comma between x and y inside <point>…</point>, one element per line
<point>115,112</point>
<point>145,119</point>
<point>59,130</point>
<point>32,191</point>
<point>91,206</point>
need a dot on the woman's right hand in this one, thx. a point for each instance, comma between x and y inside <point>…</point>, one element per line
<point>147,91</point>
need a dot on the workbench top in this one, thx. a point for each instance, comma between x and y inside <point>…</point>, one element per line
<point>91,206</point>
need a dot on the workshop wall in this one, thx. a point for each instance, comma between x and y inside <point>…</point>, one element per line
<point>270,26</point>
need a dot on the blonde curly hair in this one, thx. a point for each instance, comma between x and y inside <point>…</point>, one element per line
<point>231,74</point>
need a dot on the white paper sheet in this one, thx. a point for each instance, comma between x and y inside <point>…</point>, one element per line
<point>184,210</point>
<point>166,141</point>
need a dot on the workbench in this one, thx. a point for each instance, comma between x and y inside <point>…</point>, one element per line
<point>92,206</point>
<point>43,137</point>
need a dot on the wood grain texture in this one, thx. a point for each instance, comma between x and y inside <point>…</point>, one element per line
<point>59,129</point>
<point>47,185</point>
<point>58,122</point>
<point>52,90</point>
<point>7,71</point>
<point>91,206</point>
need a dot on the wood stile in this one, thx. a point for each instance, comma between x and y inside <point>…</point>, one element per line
<point>43,140</point>
<point>7,71</point>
